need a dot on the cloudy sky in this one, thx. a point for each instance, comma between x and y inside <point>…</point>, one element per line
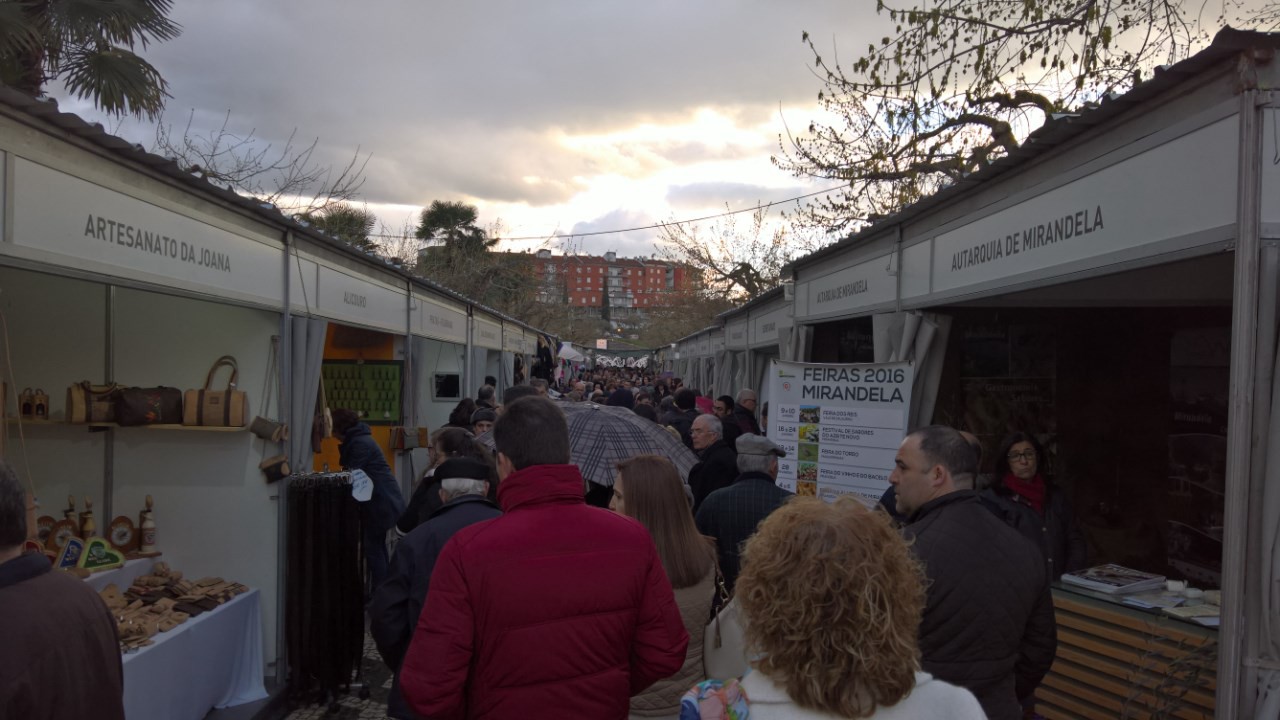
<point>551,117</point>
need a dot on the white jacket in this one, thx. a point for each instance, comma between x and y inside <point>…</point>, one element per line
<point>930,699</point>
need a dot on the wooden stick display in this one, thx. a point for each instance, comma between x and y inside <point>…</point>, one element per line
<point>162,600</point>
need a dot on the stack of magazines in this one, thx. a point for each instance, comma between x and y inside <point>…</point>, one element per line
<point>1114,579</point>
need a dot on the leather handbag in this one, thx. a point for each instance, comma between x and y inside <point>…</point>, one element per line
<point>217,408</point>
<point>89,403</point>
<point>149,406</point>
<point>724,644</point>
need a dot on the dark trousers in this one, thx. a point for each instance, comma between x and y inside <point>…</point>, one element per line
<point>375,555</point>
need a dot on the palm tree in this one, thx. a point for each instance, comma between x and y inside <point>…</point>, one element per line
<point>453,224</point>
<point>350,224</point>
<point>88,44</point>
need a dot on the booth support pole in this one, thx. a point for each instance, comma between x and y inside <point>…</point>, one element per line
<point>1235,695</point>
<point>409,389</point>
<point>285,380</point>
<point>109,443</point>
<point>470,352</point>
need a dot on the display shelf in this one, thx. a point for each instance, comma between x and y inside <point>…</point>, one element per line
<point>193,428</point>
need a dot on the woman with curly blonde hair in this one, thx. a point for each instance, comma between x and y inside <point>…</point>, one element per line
<point>831,600</point>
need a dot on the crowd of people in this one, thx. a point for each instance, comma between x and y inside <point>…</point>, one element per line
<point>509,595</point>
<point>500,592</point>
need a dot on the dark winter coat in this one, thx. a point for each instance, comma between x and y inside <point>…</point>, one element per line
<point>746,420</point>
<point>360,451</point>
<point>988,620</point>
<point>731,515</point>
<point>554,610</point>
<point>397,603</point>
<point>682,421</point>
<point>1056,533</point>
<point>731,431</point>
<point>61,656</point>
<point>717,469</point>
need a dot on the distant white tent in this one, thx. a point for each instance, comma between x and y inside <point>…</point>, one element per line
<point>568,352</point>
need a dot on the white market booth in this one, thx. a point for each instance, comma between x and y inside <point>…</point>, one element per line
<point>116,266</point>
<point>1111,288</point>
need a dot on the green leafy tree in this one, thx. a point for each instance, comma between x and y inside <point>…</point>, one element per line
<point>955,85</point>
<point>460,255</point>
<point>88,45</point>
<point>454,224</point>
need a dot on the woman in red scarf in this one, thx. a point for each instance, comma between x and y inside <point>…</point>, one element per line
<point>1036,506</point>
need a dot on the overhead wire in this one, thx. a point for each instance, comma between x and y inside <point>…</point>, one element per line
<point>654,226</point>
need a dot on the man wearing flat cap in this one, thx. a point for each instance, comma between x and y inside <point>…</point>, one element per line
<point>397,603</point>
<point>730,515</point>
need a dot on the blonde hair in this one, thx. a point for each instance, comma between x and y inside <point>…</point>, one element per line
<point>832,599</point>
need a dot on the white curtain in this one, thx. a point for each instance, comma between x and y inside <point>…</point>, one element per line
<point>919,338</point>
<point>794,342</point>
<point>306,353</point>
<point>724,373</point>
<point>507,373</point>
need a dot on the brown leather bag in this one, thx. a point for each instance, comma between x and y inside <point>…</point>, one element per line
<point>217,408</point>
<point>89,403</point>
<point>149,406</point>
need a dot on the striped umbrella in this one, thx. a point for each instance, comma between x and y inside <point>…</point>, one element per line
<point>600,436</point>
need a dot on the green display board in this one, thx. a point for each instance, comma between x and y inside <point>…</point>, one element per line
<point>370,387</point>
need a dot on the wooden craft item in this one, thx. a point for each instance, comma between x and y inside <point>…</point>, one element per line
<point>122,534</point>
<point>33,546</point>
<point>41,401</point>
<point>70,555</point>
<point>88,528</point>
<point>70,512</point>
<point>99,555</point>
<point>44,526</point>
<point>59,533</point>
<point>147,528</point>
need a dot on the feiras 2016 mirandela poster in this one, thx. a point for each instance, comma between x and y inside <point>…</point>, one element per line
<point>840,425</point>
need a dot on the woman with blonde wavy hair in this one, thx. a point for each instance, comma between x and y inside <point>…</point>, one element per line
<point>648,488</point>
<point>831,601</point>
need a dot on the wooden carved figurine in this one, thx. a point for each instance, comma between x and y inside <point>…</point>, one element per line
<point>88,528</point>
<point>70,512</point>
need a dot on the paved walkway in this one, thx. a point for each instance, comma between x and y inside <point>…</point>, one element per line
<point>350,706</point>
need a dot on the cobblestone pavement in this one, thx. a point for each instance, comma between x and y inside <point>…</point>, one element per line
<point>350,706</point>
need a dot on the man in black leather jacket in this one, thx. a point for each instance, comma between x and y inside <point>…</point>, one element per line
<point>988,620</point>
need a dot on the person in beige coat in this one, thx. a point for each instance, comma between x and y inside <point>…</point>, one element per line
<point>648,488</point>
<point>841,643</point>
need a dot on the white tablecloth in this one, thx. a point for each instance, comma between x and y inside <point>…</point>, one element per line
<point>212,660</point>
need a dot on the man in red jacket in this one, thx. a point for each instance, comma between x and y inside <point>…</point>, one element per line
<point>554,610</point>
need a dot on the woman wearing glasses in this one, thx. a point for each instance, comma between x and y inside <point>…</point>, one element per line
<point>1035,505</point>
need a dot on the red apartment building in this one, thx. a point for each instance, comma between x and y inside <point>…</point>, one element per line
<point>630,286</point>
